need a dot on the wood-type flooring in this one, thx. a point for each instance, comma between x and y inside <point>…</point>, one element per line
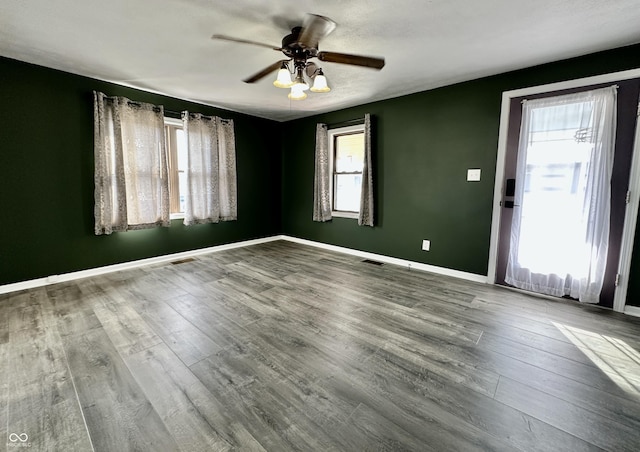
<point>282,347</point>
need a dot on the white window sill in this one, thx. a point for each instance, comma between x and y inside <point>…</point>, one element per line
<point>342,214</point>
<point>176,216</point>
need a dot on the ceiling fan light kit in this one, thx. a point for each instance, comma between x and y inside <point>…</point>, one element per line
<point>299,85</point>
<point>300,46</point>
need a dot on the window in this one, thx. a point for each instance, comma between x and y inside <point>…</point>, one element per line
<point>346,151</point>
<point>177,149</point>
<point>170,170</point>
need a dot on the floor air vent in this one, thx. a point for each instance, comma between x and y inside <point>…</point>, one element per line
<point>369,261</point>
<point>183,261</point>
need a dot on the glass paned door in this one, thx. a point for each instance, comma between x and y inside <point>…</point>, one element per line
<point>551,177</point>
<point>552,207</point>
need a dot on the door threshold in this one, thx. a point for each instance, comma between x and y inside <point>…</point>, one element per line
<point>544,296</point>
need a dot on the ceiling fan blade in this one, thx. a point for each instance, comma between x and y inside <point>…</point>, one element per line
<point>314,29</point>
<point>244,41</point>
<point>358,60</point>
<point>263,73</point>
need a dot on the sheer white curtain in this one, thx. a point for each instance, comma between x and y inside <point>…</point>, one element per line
<point>211,169</point>
<point>131,161</point>
<point>322,176</point>
<point>365,216</point>
<point>560,230</point>
<point>228,174</point>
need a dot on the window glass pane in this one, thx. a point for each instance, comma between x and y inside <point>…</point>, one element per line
<point>182,183</point>
<point>181,140</point>
<point>347,189</point>
<point>178,160</point>
<point>349,153</point>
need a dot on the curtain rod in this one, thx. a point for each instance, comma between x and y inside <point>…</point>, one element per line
<point>349,122</point>
<point>178,115</point>
<point>576,90</point>
<point>132,103</point>
<point>171,113</point>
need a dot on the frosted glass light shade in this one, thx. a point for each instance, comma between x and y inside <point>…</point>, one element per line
<point>284,79</point>
<point>297,93</point>
<point>301,84</point>
<point>320,84</point>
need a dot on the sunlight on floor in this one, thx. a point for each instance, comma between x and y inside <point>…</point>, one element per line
<point>613,356</point>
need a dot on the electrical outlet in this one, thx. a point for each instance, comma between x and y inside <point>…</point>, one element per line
<point>426,245</point>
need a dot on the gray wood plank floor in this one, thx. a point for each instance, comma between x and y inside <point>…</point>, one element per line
<point>281,346</point>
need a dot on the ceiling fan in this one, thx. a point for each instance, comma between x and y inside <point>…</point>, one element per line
<point>299,47</point>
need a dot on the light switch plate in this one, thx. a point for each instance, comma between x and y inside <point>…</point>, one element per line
<point>473,175</point>
<point>426,245</point>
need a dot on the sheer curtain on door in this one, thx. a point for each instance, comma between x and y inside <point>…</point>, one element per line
<point>560,230</point>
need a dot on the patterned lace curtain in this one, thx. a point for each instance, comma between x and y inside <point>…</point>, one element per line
<point>365,217</point>
<point>321,182</point>
<point>211,169</point>
<point>228,175</point>
<point>131,161</point>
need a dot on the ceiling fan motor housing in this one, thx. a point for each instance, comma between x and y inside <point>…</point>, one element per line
<point>292,47</point>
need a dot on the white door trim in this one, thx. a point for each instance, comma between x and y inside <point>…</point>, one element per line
<point>629,231</point>
<point>632,208</point>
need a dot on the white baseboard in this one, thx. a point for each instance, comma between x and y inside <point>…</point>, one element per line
<point>53,279</point>
<point>392,260</point>
<point>632,310</point>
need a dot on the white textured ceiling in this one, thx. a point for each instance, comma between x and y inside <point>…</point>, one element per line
<point>165,46</point>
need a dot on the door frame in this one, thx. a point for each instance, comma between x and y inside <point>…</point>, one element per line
<point>631,214</point>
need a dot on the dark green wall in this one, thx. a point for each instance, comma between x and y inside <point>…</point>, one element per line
<point>425,143</point>
<point>46,178</point>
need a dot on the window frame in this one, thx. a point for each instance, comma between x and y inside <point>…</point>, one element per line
<point>332,138</point>
<point>172,153</point>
